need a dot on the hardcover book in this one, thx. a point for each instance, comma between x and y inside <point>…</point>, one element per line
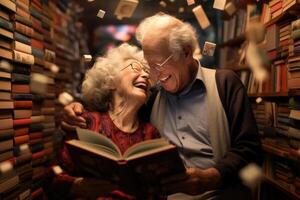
<point>141,165</point>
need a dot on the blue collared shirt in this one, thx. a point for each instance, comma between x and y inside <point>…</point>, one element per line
<point>186,124</point>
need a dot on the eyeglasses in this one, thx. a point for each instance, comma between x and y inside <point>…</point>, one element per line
<point>160,66</point>
<point>137,67</point>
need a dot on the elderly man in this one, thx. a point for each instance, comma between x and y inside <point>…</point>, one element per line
<point>204,112</point>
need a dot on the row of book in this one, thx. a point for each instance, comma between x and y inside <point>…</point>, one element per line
<point>279,119</point>
<point>275,8</point>
<point>283,43</point>
<point>38,48</point>
<point>284,172</point>
<point>294,56</point>
<point>278,124</point>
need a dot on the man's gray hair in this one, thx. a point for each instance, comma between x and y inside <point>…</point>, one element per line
<point>99,80</point>
<point>181,34</point>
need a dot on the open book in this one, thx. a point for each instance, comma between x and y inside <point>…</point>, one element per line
<point>143,164</point>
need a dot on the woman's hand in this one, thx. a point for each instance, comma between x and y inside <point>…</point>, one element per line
<point>194,181</point>
<point>91,188</point>
<point>71,117</point>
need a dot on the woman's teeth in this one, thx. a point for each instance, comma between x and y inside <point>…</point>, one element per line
<point>141,86</point>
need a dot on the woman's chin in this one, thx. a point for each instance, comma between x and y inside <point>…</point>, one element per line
<point>140,97</point>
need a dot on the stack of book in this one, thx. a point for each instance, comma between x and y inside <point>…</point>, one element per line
<point>294,129</point>
<point>282,169</point>
<point>32,32</point>
<point>275,8</point>
<point>235,26</point>
<point>259,111</point>
<point>294,59</point>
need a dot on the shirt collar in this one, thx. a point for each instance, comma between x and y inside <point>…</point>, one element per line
<point>197,78</point>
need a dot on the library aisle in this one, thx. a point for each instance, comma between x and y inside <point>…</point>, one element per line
<point>47,46</point>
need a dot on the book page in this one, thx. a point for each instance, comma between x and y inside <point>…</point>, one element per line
<point>145,147</point>
<point>96,149</point>
<point>97,138</point>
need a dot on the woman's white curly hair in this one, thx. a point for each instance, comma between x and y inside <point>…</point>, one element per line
<point>99,80</point>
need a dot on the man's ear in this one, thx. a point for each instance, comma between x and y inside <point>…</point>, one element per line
<point>187,51</point>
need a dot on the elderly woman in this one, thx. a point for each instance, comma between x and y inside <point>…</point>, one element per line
<point>114,88</point>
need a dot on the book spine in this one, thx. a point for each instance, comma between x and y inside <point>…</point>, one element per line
<point>6,33</point>
<point>20,78</point>
<point>37,3</point>
<point>21,139</point>
<point>8,4</point>
<point>23,57</point>
<point>35,13</point>
<point>36,135</point>
<point>23,29</point>
<point>6,134</point>
<point>6,24</point>
<point>23,104</point>
<point>21,12</point>
<point>22,38</point>
<point>37,6</point>
<point>21,114</point>
<point>38,155</point>
<point>20,122</point>
<point>20,88</point>
<point>22,159</point>
<point>22,5</point>
<point>26,2</point>
<point>37,44</point>
<point>37,36</point>
<point>22,47</point>
<point>5,85</point>
<point>22,96</point>
<point>22,20</point>
<point>21,131</point>
<point>37,53</point>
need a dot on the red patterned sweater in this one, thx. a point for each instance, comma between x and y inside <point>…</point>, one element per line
<point>101,123</point>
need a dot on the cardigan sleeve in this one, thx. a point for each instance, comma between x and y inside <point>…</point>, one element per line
<point>245,143</point>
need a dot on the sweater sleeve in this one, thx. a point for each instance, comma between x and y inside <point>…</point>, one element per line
<point>245,143</point>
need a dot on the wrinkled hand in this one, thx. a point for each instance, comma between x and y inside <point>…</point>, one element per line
<point>71,117</point>
<point>194,181</point>
<point>91,188</point>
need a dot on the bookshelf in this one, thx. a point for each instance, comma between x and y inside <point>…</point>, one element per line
<point>278,114</point>
<point>276,94</point>
<point>286,15</point>
<point>279,152</point>
<point>39,57</point>
<point>289,192</point>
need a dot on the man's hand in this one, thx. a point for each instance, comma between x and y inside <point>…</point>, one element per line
<point>71,117</point>
<point>194,181</point>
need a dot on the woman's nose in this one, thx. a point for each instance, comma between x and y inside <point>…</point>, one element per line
<point>145,74</point>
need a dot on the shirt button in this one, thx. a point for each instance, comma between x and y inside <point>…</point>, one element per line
<point>179,117</point>
<point>183,137</point>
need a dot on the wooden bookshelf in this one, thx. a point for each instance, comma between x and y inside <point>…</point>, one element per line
<point>276,94</point>
<point>287,191</point>
<point>288,14</point>
<point>268,94</point>
<point>278,152</point>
